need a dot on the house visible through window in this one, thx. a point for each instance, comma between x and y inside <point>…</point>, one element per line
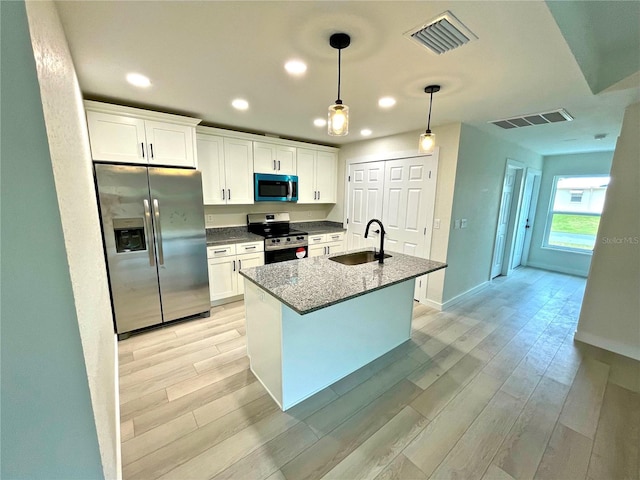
<point>574,212</point>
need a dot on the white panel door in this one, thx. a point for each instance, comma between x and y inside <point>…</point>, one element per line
<point>170,144</point>
<point>365,201</point>
<point>503,221</point>
<point>307,192</point>
<point>116,138</point>
<point>238,160</point>
<point>523,220</point>
<point>248,260</point>
<point>211,165</point>
<point>404,218</point>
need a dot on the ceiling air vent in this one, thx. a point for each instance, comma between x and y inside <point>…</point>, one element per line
<point>442,34</point>
<point>560,115</point>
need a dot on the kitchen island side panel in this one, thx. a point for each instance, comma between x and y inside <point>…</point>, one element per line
<point>264,338</point>
<point>322,347</point>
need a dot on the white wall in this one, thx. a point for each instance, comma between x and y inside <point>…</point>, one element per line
<point>482,161</point>
<point>610,314</point>
<point>575,263</point>
<point>72,169</point>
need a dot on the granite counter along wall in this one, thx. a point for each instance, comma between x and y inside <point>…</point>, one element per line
<point>226,235</point>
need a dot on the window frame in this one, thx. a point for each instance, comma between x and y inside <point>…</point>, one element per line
<point>551,212</point>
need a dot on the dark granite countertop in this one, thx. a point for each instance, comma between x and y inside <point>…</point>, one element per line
<point>309,284</point>
<point>317,228</point>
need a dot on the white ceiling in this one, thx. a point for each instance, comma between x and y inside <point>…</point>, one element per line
<point>201,55</point>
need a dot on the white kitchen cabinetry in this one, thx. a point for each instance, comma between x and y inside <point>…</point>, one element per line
<point>317,176</point>
<point>227,169</point>
<point>326,243</point>
<point>225,261</point>
<point>272,158</point>
<point>130,135</point>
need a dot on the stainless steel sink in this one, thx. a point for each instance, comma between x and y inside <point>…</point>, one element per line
<point>357,258</point>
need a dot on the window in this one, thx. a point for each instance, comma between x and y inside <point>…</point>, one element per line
<point>574,212</point>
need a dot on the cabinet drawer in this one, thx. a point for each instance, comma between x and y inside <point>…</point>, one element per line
<point>221,251</point>
<point>249,247</point>
<point>335,237</point>
<point>313,239</point>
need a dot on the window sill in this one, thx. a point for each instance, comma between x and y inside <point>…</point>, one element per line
<point>588,253</point>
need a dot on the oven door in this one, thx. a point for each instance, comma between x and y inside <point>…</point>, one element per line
<point>294,253</point>
<point>275,188</point>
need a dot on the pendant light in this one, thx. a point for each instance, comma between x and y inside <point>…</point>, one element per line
<point>428,139</point>
<point>338,120</point>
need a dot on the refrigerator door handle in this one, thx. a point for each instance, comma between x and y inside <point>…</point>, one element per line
<point>147,218</point>
<point>156,211</point>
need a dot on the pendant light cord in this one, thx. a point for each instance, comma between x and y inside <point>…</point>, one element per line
<point>429,117</point>
<point>339,63</point>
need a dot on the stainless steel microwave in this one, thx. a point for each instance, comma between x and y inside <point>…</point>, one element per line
<point>275,188</point>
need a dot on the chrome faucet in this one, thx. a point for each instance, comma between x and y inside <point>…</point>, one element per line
<point>366,233</point>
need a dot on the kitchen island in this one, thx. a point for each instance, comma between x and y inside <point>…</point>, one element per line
<point>311,322</point>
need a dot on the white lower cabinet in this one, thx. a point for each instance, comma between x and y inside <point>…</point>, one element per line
<point>326,243</point>
<point>225,261</point>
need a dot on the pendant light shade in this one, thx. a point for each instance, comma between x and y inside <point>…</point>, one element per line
<point>428,139</point>
<point>338,117</point>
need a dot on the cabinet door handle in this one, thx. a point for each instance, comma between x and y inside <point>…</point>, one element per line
<point>220,251</point>
<point>223,195</point>
<point>249,248</point>
<point>318,194</point>
<point>147,217</point>
<point>142,148</point>
<point>335,236</point>
<point>278,165</point>
<point>274,165</point>
<point>234,265</point>
<point>240,263</point>
<point>151,145</point>
<point>314,195</point>
<point>229,196</point>
<point>328,250</point>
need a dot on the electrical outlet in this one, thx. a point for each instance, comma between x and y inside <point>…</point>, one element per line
<point>463,223</point>
<point>436,223</point>
<point>310,213</point>
<point>209,219</point>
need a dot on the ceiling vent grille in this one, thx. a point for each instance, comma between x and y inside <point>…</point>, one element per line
<point>555,116</point>
<point>442,34</point>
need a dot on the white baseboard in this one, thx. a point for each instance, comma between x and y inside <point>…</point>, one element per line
<point>607,344</point>
<point>465,295</point>
<point>559,269</point>
<point>432,304</point>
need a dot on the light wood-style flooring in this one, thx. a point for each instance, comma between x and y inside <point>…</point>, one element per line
<point>495,388</point>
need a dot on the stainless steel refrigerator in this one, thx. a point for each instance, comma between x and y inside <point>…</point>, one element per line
<point>155,243</point>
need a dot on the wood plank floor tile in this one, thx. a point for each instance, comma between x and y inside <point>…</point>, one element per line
<point>126,430</point>
<point>223,405</point>
<point>266,460</point>
<point>334,447</point>
<point>566,456</point>
<point>176,342</point>
<point>401,468</point>
<point>433,444</point>
<point>277,475</point>
<point>524,445</point>
<point>190,446</point>
<point>142,404</point>
<point>582,407</point>
<point>160,382</point>
<point>616,447</point>
<point>496,473</point>
<point>213,362</point>
<point>152,440</point>
<point>473,453</point>
<point>373,456</point>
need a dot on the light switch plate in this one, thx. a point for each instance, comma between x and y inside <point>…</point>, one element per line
<point>463,223</point>
<point>436,223</point>
<point>209,219</point>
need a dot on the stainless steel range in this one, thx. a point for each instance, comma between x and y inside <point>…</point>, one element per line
<point>281,242</point>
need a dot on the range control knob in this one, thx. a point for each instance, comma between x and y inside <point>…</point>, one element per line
<point>277,240</point>
<point>288,239</point>
<point>299,238</point>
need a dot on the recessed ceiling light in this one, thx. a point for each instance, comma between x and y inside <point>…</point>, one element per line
<point>365,132</point>
<point>386,102</point>
<point>319,122</point>
<point>295,67</point>
<point>240,104</point>
<point>138,80</point>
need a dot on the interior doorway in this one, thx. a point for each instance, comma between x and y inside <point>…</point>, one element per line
<point>526,215</point>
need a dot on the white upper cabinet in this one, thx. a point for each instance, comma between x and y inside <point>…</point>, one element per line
<point>272,158</point>
<point>130,135</point>
<point>317,176</point>
<point>227,169</point>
